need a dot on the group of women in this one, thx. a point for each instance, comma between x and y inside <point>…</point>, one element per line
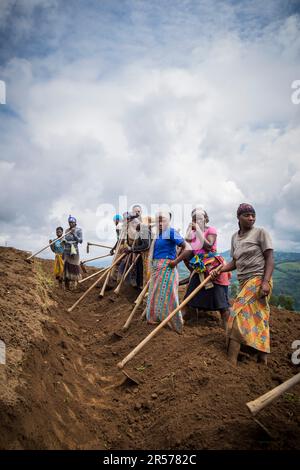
<point>153,249</point>
<point>247,321</point>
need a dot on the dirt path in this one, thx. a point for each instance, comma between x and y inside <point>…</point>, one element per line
<point>65,391</point>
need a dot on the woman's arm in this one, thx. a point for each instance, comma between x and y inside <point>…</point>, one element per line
<point>188,235</point>
<point>77,235</point>
<point>187,264</point>
<point>199,233</point>
<point>113,248</point>
<point>209,242</point>
<point>231,266</point>
<point>185,252</point>
<point>143,241</point>
<point>269,267</point>
<point>52,246</point>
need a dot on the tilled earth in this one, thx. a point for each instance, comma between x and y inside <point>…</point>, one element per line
<point>61,388</point>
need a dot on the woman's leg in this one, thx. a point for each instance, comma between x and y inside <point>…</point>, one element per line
<point>224,316</point>
<point>233,351</point>
<point>262,357</point>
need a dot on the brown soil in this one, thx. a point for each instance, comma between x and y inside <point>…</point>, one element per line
<point>61,389</point>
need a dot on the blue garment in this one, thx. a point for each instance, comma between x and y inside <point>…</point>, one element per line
<point>165,244</point>
<point>58,248</point>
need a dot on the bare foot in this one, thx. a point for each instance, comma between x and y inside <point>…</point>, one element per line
<point>262,358</point>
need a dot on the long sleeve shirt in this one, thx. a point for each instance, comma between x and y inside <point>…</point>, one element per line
<point>73,239</point>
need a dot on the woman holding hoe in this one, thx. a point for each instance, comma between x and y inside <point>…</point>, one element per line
<point>252,257</point>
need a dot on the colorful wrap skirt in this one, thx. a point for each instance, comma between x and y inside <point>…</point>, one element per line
<point>163,294</point>
<point>72,270</point>
<point>248,322</point>
<point>58,266</point>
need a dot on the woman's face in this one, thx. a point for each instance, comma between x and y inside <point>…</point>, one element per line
<point>247,220</point>
<point>162,222</point>
<point>137,210</point>
<point>199,219</point>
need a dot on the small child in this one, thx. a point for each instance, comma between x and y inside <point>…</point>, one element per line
<point>58,248</point>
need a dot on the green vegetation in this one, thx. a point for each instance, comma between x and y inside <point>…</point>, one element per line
<point>286,280</point>
<point>283,301</point>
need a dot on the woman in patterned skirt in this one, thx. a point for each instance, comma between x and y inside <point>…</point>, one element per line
<point>72,237</point>
<point>163,259</point>
<point>252,257</point>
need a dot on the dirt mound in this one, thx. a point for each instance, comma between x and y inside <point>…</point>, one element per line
<point>61,389</point>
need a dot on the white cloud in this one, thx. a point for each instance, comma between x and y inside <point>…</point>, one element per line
<point>192,108</point>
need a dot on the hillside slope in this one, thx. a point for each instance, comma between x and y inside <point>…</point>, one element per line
<point>61,389</point>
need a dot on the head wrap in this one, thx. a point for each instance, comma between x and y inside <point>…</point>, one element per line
<point>245,208</point>
<point>136,205</point>
<point>71,219</point>
<point>198,210</point>
<point>199,213</point>
<point>118,218</point>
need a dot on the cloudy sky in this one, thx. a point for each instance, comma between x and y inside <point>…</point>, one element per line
<point>159,101</point>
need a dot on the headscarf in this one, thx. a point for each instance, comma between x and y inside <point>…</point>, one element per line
<point>118,218</point>
<point>136,205</point>
<point>245,208</point>
<point>71,219</point>
<point>199,209</point>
